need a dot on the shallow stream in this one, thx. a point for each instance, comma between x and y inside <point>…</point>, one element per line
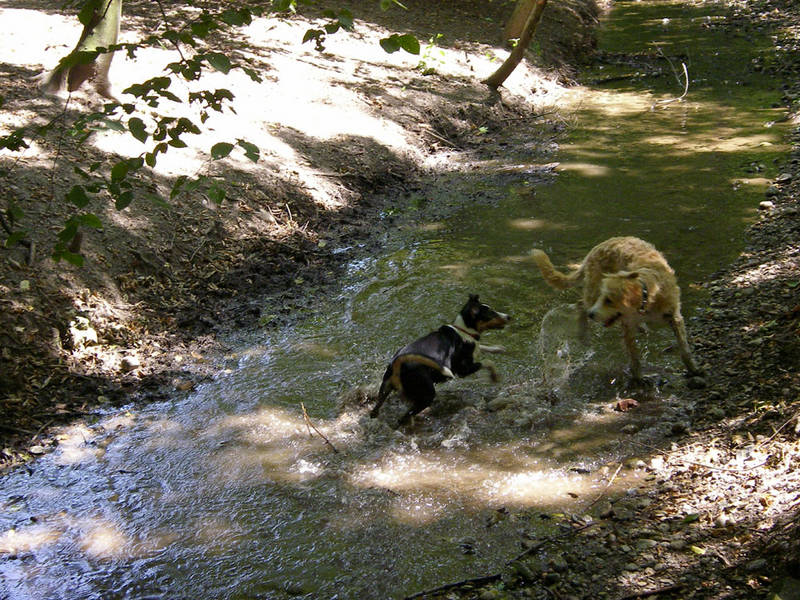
<point>228,492</point>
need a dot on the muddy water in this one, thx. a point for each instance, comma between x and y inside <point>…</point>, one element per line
<point>228,493</point>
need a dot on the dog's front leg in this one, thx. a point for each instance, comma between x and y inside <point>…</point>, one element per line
<point>679,327</point>
<point>583,322</point>
<point>629,336</point>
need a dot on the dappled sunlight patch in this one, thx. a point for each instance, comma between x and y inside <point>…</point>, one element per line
<point>79,443</point>
<point>21,48</point>
<point>96,537</point>
<point>532,224</point>
<point>783,266</point>
<point>28,539</point>
<point>721,141</point>
<point>103,540</point>
<point>754,182</point>
<point>609,103</point>
<point>541,488</point>
<point>268,423</point>
<point>268,445</point>
<point>244,465</point>
<point>484,477</point>
<point>458,271</point>
<point>586,169</point>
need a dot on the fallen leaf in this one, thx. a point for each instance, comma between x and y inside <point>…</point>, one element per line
<point>625,404</point>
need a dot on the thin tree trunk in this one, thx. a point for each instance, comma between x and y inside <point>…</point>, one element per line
<point>496,79</point>
<point>516,24</point>
<point>79,66</point>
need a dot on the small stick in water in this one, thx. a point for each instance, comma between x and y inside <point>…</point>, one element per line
<point>310,426</point>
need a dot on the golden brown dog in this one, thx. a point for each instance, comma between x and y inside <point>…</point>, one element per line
<point>625,280</point>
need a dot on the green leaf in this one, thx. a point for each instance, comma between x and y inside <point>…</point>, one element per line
<point>390,44</point>
<point>113,125</point>
<point>691,518</point>
<point>409,43</point>
<point>120,170</point>
<point>177,186</point>
<point>217,194</point>
<point>282,5</point>
<point>346,19</point>
<point>200,29</point>
<point>169,95</point>
<point>70,257</point>
<point>313,34</point>
<point>221,150</point>
<point>219,61</point>
<point>395,42</point>
<point>15,213</point>
<point>251,151</point>
<point>15,237</point>
<point>77,196</point>
<point>123,200</point>
<point>237,18</point>
<point>69,231</point>
<point>91,220</point>
<point>87,10</point>
<point>137,129</point>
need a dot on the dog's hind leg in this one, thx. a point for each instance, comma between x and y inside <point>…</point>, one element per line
<point>386,388</point>
<point>678,326</point>
<point>419,392</point>
<point>629,337</point>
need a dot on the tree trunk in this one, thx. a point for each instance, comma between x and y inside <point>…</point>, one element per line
<point>83,63</point>
<point>497,78</point>
<point>516,24</point>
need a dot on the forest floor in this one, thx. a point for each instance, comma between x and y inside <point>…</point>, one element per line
<point>720,516</point>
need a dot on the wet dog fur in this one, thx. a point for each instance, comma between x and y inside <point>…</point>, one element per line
<point>451,351</point>
<point>627,281</point>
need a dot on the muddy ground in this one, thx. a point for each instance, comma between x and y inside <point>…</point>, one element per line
<point>718,517</point>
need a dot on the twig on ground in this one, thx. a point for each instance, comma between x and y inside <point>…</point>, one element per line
<point>440,138</point>
<point>654,592</point>
<point>685,88</point>
<point>608,485</point>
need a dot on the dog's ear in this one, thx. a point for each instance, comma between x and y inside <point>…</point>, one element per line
<point>473,298</point>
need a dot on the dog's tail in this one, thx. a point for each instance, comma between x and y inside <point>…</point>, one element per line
<point>554,278</point>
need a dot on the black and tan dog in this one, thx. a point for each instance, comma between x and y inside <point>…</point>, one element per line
<point>625,280</point>
<point>451,351</point>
